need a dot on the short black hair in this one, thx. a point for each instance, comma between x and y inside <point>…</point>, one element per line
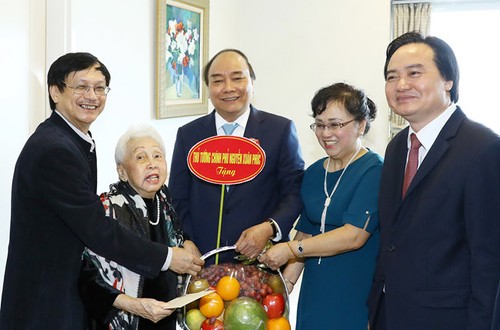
<point>352,99</point>
<point>72,62</point>
<point>239,52</point>
<point>444,57</point>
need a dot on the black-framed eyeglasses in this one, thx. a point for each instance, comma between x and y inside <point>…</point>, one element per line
<point>82,89</point>
<point>317,127</point>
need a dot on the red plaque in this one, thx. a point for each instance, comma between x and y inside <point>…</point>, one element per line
<point>226,159</point>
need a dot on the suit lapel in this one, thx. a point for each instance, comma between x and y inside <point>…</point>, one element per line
<point>208,128</point>
<point>402,152</point>
<point>438,149</point>
<point>394,175</point>
<point>253,128</point>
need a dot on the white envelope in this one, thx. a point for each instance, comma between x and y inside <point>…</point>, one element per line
<point>186,299</point>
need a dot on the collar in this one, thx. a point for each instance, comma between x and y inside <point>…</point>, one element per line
<point>241,121</point>
<point>428,134</point>
<point>87,137</point>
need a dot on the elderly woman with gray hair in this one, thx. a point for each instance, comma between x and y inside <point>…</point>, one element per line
<point>115,297</point>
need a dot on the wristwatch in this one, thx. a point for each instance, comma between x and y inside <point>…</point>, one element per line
<point>300,249</point>
<point>275,229</point>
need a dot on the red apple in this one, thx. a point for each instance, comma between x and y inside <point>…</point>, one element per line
<point>212,324</point>
<point>274,305</point>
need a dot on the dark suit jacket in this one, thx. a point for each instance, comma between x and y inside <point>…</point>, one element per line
<point>55,213</point>
<point>274,193</point>
<point>440,252</point>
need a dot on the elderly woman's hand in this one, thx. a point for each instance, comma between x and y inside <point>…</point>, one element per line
<point>276,256</point>
<point>184,262</point>
<point>147,308</point>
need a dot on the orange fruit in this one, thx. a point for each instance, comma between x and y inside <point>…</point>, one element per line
<point>211,305</point>
<point>228,288</point>
<point>279,323</point>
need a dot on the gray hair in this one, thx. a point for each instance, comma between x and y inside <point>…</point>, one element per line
<point>135,132</point>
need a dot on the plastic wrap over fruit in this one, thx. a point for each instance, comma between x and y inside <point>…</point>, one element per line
<point>246,296</point>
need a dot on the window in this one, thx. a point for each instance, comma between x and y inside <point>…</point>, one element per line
<point>471,29</point>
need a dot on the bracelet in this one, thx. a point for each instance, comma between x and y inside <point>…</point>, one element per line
<point>295,255</point>
<point>300,248</point>
<point>275,230</point>
<point>288,281</point>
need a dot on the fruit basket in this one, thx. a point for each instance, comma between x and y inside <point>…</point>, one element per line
<point>247,295</point>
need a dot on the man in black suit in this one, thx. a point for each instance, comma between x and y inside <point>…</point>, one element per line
<point>56,211</point>
<point>439,261</point>
<point>255,211</point>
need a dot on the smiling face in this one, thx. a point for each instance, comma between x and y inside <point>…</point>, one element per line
<point>144,166</point>
<point>414,86</point>
<point>80,109</point>
<point>229,85</point>
<point>339,143</point>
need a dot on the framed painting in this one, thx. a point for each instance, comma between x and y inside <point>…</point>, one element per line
<point>182,51</point>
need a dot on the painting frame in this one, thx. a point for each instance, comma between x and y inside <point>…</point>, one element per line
<point>182,52</point>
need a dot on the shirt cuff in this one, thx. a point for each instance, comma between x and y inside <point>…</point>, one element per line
<point>278,232</point>
<point>168,261</point>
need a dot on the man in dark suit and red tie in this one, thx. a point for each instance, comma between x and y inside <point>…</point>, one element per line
<point>439,261</point>
<point>255,211</point>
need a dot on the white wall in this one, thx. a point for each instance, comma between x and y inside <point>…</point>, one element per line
<point>14,91</point>
<point>296,47</point>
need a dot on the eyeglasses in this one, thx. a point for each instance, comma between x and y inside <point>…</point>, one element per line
<point>82,89</point>
<point>318,128</point>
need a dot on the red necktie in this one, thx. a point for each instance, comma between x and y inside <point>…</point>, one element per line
<point>412,165</point>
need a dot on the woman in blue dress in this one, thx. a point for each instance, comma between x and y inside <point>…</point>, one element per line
<point>336,243</point>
